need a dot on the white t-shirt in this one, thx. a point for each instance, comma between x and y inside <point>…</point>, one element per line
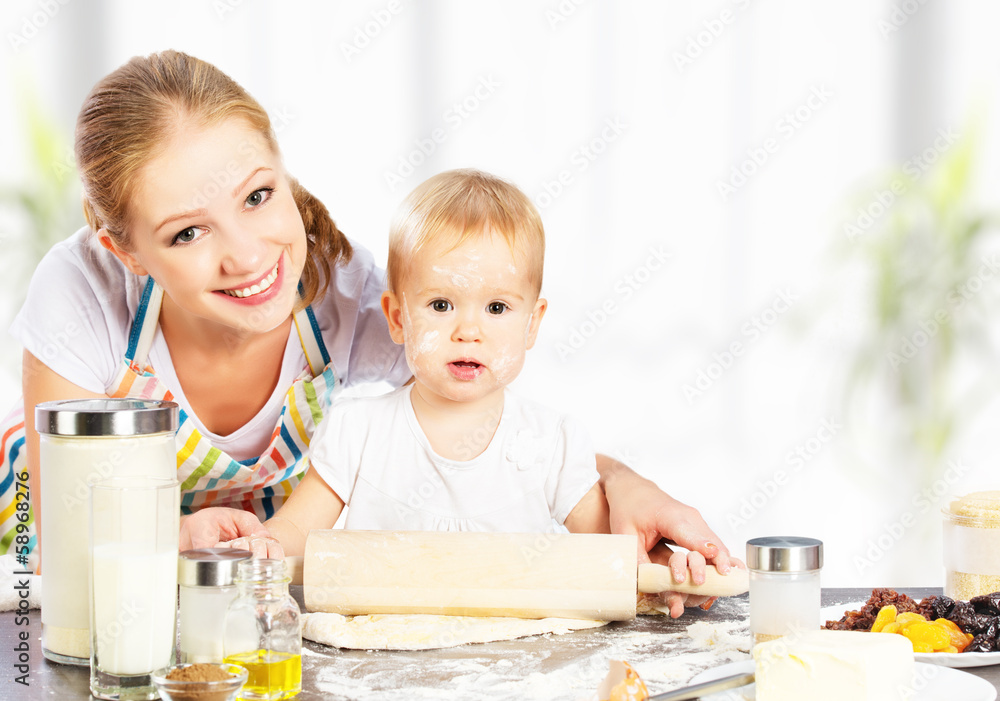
<point>374,455</point>
<point>82,300</point>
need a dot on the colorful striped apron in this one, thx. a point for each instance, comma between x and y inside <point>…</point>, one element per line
<point>207,475</point>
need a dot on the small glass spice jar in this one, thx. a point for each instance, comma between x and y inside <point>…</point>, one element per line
<point>784,585</point>
<point>207,580</point>
<point>262,631</point>
<point>972,545</point>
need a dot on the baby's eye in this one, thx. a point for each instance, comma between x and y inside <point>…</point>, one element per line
<point>259,197</point>
<point>186,236</point>
<point>497,307</point>
<point>441,305</point>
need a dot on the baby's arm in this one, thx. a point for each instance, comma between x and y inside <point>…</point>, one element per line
<point>313,504</point>
<point>591,514</point>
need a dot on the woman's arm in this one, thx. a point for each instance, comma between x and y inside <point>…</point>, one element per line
<point>41,384</point>
<point>638,506</point>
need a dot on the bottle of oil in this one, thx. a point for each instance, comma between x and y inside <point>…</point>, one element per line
<point>262,632</point>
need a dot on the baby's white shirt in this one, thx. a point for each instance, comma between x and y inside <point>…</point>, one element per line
<point>373,453</point>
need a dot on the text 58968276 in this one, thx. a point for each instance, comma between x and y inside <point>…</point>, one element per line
<point>22,659</point>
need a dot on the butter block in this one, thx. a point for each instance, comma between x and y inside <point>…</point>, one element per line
<point>834,665</point>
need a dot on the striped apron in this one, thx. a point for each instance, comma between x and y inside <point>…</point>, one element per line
<point>207,475</point>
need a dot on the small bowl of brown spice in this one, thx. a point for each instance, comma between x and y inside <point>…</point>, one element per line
<point>200,682</point>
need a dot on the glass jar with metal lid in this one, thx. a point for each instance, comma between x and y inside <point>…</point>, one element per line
<point>972,545</point>
<point>784,585</point>
<point>82,441</point>
<point>207,580</point>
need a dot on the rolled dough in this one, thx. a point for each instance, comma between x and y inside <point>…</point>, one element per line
<point>426,631</point>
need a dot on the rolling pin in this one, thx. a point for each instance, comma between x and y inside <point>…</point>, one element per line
<point>523,575</point>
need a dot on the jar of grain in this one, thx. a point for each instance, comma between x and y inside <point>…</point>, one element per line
<point>972,545</point>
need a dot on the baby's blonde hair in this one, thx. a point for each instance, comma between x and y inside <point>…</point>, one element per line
<point>458,205</point>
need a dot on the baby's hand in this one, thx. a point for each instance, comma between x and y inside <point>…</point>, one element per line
<point>684,565</point>
<point>260,546</point>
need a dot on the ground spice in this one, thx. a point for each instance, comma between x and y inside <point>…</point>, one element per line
<point>193,674</point>
<point>198,673</point>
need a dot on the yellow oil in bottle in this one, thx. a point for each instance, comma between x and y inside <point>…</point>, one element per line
<point>272,675</point>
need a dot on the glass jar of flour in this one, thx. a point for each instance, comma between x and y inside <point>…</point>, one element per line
<point>784,585</point>
<point>82,441</point>
<point>207,579</point>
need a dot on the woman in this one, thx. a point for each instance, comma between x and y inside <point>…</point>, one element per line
<point>209,276</point>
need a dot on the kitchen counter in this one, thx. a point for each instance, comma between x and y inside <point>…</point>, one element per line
<point>667,653</point>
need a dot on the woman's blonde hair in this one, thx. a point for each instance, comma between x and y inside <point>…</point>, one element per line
<point>127,120</point>
<point>452,207</point>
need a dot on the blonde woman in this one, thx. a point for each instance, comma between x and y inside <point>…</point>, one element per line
<point>206,274</point>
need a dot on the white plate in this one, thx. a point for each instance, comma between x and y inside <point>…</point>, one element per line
<point>945,659</point>
<point>935,683</point>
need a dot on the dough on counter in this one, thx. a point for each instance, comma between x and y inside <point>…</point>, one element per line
<point>427,631</point>
<point>650,605</point>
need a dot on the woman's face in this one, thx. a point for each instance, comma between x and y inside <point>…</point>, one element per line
<point>215,224</point>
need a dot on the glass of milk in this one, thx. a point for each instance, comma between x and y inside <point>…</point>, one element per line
<point>134,525</point>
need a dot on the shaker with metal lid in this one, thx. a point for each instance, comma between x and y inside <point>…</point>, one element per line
<point>207,586</point>
<point>82,441</point>
<point>784,585</point>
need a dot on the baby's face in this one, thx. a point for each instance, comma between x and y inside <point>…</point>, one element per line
<point>467,316</point>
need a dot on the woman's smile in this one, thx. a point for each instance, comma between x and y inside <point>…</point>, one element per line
<point>260,290</point>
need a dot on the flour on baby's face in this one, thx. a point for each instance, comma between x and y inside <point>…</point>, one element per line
<point>467,318</point>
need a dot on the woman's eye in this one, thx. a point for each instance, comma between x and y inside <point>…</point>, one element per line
<point>497,307</point>
<point>187,236</point>
<point>441,305</point>
<point>259,197</point>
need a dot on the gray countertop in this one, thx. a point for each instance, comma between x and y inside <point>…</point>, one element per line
<point>667,653</point>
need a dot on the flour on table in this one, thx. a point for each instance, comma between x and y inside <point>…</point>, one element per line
<point>427,631</point>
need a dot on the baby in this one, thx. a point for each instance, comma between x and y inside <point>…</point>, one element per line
<point>454,449</point>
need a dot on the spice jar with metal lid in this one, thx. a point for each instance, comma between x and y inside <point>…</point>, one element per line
<point>784,585</point>
<point>82,441</point>
<point>207,582</point>
<point>972,545</point>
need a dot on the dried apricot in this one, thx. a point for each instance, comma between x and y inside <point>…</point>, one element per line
<point>934,637</point>
<point>886,615</point>
<point>907,619</point>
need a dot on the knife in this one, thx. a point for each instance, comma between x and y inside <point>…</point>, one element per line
<point>698,690</point>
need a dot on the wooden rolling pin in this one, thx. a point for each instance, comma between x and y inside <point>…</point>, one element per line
<point>523,575</point>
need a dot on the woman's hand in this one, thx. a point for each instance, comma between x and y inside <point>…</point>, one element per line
<point>641,508</point>
<point>220,527</point>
